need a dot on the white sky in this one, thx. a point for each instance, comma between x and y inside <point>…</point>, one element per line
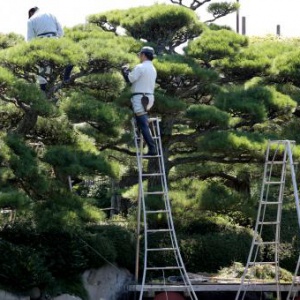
<point>262,16</point>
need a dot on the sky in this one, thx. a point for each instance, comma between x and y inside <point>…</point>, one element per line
<point>262,16</point>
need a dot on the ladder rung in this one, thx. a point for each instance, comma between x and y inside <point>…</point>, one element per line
<point>271,202</point>
<point>140,137</point>
<point>154,119</point>
<point>164,268</point>
<point>161,249</point>
<point>152,174</point>
<point>280,142</point>
<point>274,182</point>
<point>253,263</point>
<point>266,243</point>
<point>154,193</point>
<point>151,156</point>
<point>159,230</point>
<point>268,223</point>
<point>156,211</point>
<point>270,162</point>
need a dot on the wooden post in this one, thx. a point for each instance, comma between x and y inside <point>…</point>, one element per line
<point>115,199</point>
<point>238,19</point>
<point>243,25</point>
<point>70,183</point>
<point>278,30</point>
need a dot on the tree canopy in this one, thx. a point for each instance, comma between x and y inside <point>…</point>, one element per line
<point>219,101</point>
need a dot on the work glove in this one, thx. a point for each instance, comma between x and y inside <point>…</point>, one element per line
<point>125,72</point>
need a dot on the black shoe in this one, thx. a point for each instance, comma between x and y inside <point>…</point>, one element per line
<point>43,87</point>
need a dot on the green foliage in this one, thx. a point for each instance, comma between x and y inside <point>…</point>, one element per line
<point>245,65</point>
<point>86,31</point>
<point>6,78</point>
<point>176,65</point>
<point>221,9</point>
<point>218,198</point>
<point>211,251</point>
<point>122,241</point>
<point>214,45</point>
<point>21,268</point>
<point>287,66</point>
<point>31,95</point>
<point>194,201</point>
<point>58,52</point>
<point>24,165</point>
<point>105,87</point>
<point>86,108</point>
<point>219,103</point>
<point>265,272</point>
<point>149,23</point>
<point>9,116</point>
<point>10,40</point>
<point>232,142</point>
<point>52,259</point>
<point>167,103</point>
<point>183,77</point>
<point>255,104</point>
<point>203,116</point>
<point>291,130</point>
<point>55,131</point>
<point>13,200</point>
<point>71,162</point>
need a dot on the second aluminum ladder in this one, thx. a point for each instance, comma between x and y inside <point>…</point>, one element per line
<point>278,160</point>
<point>160,242</point>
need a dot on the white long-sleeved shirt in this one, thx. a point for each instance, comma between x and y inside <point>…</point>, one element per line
<point>41,23</point>
<point>143,78</point>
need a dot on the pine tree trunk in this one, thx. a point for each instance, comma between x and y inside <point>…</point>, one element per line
<point>28,122</point>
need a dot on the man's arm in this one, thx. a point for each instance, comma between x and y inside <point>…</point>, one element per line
<point>30,31</point>
<point>125,72</point>
<point>59,29</point>
<point>135,74</point>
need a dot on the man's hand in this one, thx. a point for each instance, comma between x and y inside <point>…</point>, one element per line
<point>125,72</point>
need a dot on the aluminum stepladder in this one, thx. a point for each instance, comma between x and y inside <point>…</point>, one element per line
<point>170,246</point>
<point>278,161</point>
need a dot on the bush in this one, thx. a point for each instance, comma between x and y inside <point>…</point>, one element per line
<point>21,268</point>
<point>205,223</point>
<point>52,260</point>
<point>212,251</point>
<point>265,272</point>
<point>123,242</point>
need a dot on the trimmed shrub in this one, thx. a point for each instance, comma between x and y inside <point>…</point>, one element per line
<point>212,251</point>
<point>123,242</point>
<point>21,268</point>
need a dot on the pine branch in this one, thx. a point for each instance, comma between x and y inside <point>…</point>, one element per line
<point>119,149</point>
<point>208,158</point>
<point>194,5</point>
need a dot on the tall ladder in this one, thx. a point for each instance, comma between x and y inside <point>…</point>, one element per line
<point>159,240</point>
<point>278,160</point>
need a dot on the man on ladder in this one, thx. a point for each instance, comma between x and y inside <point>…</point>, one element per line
<point>45,25</point>
<point>143,78</point>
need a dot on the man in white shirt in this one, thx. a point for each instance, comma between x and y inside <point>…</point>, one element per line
<point>143,78</point>
<point>41,24</point>
<point>45,25</point>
